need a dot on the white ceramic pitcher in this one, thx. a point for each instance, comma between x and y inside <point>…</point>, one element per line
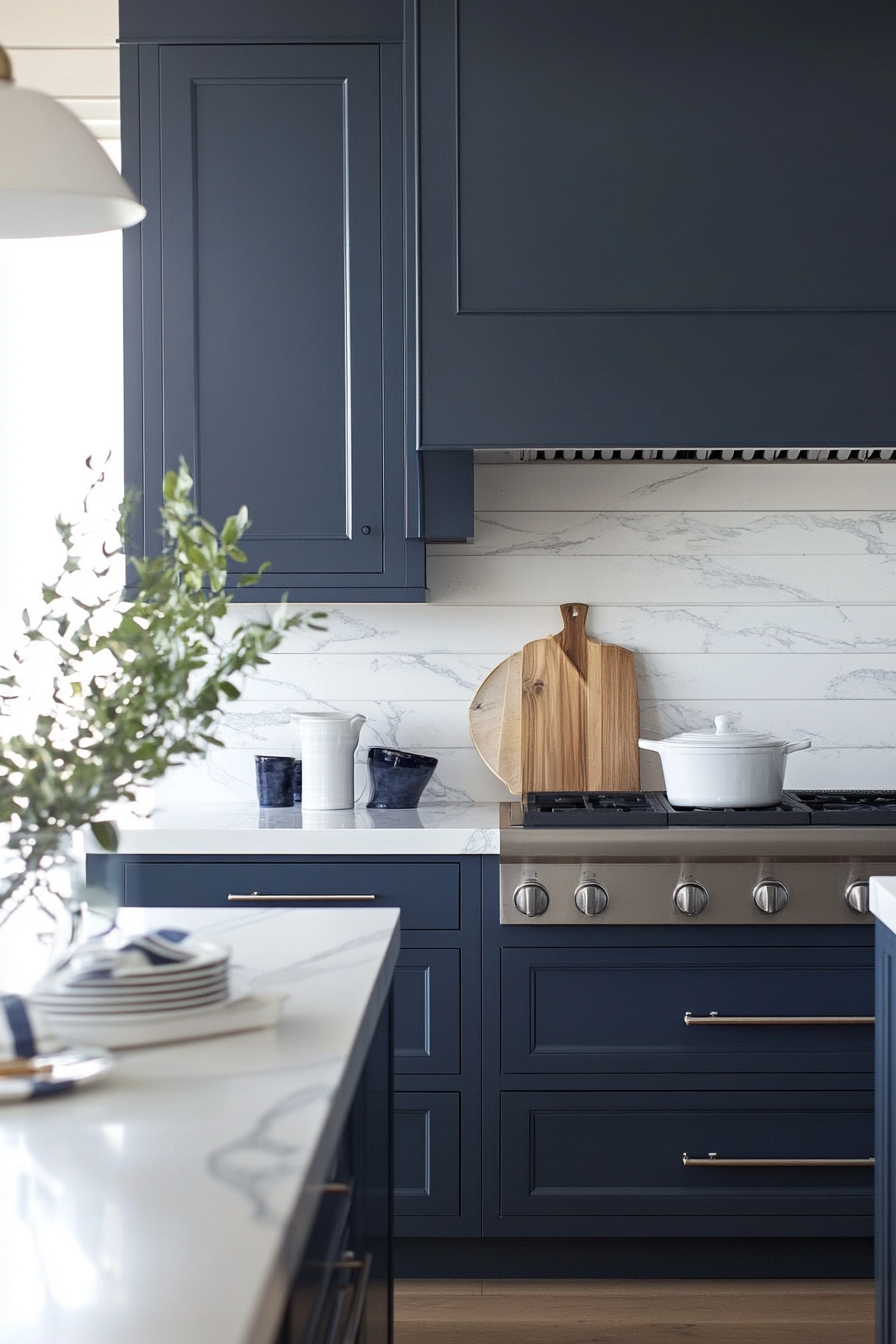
<point>329,741</point>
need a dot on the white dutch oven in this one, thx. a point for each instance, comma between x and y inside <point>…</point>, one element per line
<point>725,768</point>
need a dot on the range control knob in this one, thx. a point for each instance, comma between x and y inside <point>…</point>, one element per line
<point>591,898</point>
<point>690,898</point>
<point>770,897</point>
<point>531,899</point>
<point>857,896</point>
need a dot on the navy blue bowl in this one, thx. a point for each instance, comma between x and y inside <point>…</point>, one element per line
<point>397,778</point>
<point>275,780</point>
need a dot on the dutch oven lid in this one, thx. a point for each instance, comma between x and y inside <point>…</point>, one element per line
<point>724,735</point>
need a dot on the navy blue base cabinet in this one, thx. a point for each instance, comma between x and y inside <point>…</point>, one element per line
<point>436,997</point>
<point>547,1088</point>
<point>354,1219</point>
<point>595,1089</point>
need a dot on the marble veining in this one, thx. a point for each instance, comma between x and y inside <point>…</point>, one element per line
<point>258,1164</point>
<point>335,960</point>
<point>157,1204</point>
<point>672,533</point>
<point>635,579</point>
<point>767,589</point>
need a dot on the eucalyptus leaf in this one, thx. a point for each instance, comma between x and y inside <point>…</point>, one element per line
<point>105,833</point>
<point>137,686</point>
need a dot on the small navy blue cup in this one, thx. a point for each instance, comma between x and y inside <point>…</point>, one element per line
<point>397,778</point>
<point>275,780</point>
<point>297,781</point>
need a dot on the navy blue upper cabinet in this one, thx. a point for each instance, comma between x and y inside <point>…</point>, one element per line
<point>260,20</point>
<point>657,222</point>
<point>264,309</point>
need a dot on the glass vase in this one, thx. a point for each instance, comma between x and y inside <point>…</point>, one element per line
<point>41,894</point>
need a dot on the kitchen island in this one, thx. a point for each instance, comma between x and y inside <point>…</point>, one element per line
<point>175,1199</point>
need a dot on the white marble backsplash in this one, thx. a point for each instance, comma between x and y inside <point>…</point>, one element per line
<point>767,590</point>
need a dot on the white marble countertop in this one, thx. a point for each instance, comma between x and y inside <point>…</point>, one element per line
<point>159,1206</point>
<point>883,900</point>
<point>238,828</point>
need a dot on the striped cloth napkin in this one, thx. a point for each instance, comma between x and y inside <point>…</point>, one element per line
<point>23,1035</point>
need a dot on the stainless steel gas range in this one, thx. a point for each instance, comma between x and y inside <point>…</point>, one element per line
<point>595,859</point>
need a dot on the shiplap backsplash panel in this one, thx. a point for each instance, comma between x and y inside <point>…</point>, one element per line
<point>764,590</point>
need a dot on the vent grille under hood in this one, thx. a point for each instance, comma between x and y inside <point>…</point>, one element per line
<point>686,455</point>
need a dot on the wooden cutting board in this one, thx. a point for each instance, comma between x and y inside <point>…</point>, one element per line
<point>562,714</point>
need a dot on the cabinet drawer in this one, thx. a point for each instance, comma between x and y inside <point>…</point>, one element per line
<point>615,1154</point>
<point>427,1153</point>
<point>427,1011</point>
<point>594,1010</point>
<point>427,893</point>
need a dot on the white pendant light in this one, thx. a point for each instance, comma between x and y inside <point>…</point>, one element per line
<point>55,180</point>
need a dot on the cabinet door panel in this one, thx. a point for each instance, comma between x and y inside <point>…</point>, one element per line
<point>618,1154</point>
<point>427,1153</point>
<point>645,187</point>
<point>272,370</point>
<point>632,222</point>
<point>428,893</point>
<point>566,1010</point>
<point>427,1011</point>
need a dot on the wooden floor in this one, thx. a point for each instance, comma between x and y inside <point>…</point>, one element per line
<point>634,1311</point>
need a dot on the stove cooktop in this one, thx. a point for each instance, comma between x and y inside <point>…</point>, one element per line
<point>850,807</point>
<point>824,807</point>
<point>789,812</point>
<point>593,809</point>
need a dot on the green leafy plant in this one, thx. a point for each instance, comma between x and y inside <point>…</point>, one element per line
<point>137,685</point>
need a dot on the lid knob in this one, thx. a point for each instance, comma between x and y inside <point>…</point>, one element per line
<point>724,724</point>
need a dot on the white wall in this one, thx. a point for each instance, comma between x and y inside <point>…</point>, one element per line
<point>60,404</point>
<point>767,590</point>
<point>68,48</point>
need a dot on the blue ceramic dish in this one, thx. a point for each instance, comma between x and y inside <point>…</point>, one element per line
<point>275,780</point>
<point>397,778</point>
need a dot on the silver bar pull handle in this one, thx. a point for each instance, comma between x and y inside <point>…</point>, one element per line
<point>276,896</point>
<point>359,1300</point>
<point>713,1160</point>
<point>715,1020</point>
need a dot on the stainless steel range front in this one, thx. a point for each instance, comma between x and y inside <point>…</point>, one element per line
<point>632,859</point>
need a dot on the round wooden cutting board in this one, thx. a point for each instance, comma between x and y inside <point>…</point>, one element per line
<point>495,721</point>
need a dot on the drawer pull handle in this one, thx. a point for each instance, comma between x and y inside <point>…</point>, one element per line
<point>713,1160</point>
<point>275,896</point>
<point>359,1300</point>
<point>336,1188</point>
<point>714,1020</point>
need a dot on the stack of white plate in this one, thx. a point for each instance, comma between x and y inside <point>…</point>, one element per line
<point>152,974</point>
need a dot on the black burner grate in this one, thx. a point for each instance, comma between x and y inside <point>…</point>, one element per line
<point>819,807</point>
<point>789,812</point>
<point>850,807</point>
<point>592,809</point>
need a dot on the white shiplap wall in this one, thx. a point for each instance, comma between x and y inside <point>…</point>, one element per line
<point>67,48</point>
<point>766,590</point>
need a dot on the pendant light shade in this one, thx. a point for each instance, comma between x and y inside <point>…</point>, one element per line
<point>55,180</point>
